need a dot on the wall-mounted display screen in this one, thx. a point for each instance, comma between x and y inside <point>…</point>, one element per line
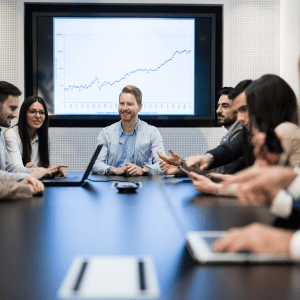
<point>95,57</point>
<point>82,56</point>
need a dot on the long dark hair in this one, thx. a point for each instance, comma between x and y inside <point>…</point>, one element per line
<point>42,133</point>
<point>271,101</point>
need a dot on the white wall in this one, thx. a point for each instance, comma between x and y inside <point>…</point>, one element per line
<point>290,42</point>
<point>260,36</point>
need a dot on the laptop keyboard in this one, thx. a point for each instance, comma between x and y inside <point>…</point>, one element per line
<point>69,178</point>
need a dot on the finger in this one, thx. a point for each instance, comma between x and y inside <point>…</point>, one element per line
<point>30,165</point>
<point>60,166</point>
<point>36,184</point>
<point>244,176</point>
<point>195,176</point>
<point>32,189</point>
<point>32,182</point>
<point>204,166</point>
<point>221,244</point>
<point>160,155</point>
<point>215,175</point>
<point>242,195</point>
<point>172,152</point>
<point>41,186</point>
<point>225,242</point>
<point>63,173</point>
<point>164,164</point>
<point>51,171</point>
<point>190,162</point>
<point>131,168</point>
<point>238,244</point>
<point>164,168</point>
<point>133,172</point>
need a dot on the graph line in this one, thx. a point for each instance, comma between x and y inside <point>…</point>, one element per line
<point>105,83</point>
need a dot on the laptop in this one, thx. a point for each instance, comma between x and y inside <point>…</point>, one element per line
<point>200,245</point>
<point>73,180</point>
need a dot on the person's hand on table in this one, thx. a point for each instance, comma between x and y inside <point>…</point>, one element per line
<point>58,171</point>
<point>168,169</point>
<point>217,177</point>
<point>134,170</point>
<point>118,171</point>
<point>35,185</point>
<point>258,185</point>
<point>31,165</point>
<point>174,160</point>
<point>50,172</point>
<point>204,161</point>
<point>203,184</point>
<point>257,238</point>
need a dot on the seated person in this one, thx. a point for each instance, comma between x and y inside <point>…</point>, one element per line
<point>27,142</point>
<point>236,140</point>
<point>278,186</point>
<point>12,189</point>
<point>9,102</point>
<point>271,93</point>
<point>130,145</point>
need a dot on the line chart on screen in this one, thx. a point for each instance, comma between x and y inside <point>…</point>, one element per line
<point>95,58</point>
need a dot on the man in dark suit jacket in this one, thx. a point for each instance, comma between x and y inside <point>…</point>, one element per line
<point>240,146</point>
<point>226,118</point>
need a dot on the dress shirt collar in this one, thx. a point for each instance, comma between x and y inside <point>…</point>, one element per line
<point>35,137</point>
<point>228,133</point>
<point>134,131</point>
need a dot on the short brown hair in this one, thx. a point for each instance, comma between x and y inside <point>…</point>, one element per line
<point>7,89</point>
<point>133,90</point>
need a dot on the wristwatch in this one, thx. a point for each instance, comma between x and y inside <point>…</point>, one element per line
<point>145,172</point>
<point>211,156</point>
<point>181,162</point>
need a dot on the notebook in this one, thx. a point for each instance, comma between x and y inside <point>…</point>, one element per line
<point>73,180</point>
<point>200,245</point>
<point>110,277</point>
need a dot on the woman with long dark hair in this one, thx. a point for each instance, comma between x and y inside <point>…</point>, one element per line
<point>272,110</point>
<point>27,142</point>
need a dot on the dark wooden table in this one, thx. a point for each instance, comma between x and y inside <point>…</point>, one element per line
<point>40,237</point>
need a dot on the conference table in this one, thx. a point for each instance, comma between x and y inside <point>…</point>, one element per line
<point>40,237</point>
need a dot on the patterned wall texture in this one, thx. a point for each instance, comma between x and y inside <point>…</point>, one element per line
<point>75,146</point>
<point>9,38</point>
<point>252,39</point>
<point>252,53</point>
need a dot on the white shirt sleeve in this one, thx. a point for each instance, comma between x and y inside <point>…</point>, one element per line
<point>294,189</point>
<point>295,245</point>
<point>282,205</point>
<point>13,144</point>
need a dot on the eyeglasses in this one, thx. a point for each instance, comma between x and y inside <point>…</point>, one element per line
<point>34,112</point>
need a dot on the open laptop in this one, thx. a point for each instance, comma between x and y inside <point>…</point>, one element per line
<point>73,180</point>
<point>200,245</point>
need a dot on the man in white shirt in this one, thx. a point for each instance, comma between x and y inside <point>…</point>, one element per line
<point>9,103</point>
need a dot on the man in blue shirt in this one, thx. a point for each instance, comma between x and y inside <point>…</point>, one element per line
<point>130,145</point>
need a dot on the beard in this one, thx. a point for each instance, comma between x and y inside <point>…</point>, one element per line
<point>227,121</point>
